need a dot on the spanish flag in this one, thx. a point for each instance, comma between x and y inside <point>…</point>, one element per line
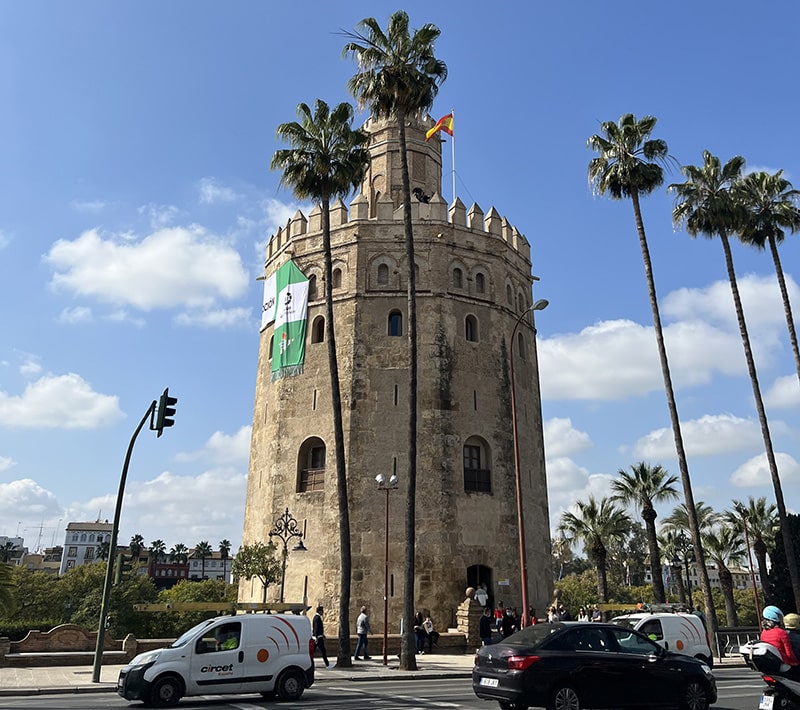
<point>445,123</point>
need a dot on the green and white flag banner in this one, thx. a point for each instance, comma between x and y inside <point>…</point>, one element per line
<point>268,307</point>
<point>291,310</point>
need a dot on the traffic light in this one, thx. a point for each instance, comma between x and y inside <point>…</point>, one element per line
<point>124,565</point>
<point>166,410</point>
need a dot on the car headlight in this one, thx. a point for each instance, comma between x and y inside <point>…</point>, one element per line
<point>145,658</point>
<point>705,668</point>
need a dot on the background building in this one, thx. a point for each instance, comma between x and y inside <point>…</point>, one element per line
<point>474,281</point>
<point>82,542</point>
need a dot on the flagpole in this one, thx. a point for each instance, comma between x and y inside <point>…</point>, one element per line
<point>453,152</point>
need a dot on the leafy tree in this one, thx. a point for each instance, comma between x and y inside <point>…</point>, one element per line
<point>771,205</point>
<point>780,586</point>
<point>399,76</point>
<point>673,547</point>
<point>629,164</point>
<point>328,159</point>
<point>173,623</point>
<point>596,525</point>
<point>6,590</point>
<point>644,486</point>
<point>224,553</point>
<point>258,561</point>
<point>103,550</point>
<point>707,204</point>
<point>36,597</point>
<point>203,551</point>
<point>759,524</point>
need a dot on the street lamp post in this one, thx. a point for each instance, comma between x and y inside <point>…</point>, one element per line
<point>386,487</point>
<point>285,529</point>
<point>523,562</point>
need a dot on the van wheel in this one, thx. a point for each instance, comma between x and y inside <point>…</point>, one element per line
<point>290,685</point>
<point>165,692</point>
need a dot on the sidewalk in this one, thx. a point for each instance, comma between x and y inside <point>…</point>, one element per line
<point>78,679</point>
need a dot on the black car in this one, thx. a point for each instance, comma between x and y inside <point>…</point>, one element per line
<point>573,665</point>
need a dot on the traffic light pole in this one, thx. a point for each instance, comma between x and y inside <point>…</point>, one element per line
<point>112,549</point>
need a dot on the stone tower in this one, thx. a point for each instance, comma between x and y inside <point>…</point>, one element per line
<point>474,280</point>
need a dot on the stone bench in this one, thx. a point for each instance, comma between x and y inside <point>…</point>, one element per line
<point>41,659</point>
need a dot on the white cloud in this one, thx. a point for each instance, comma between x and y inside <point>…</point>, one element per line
<point>93,206</point>
<point>223,448</point>
<point>784,392</point>
<point>59,402</point>
<point>158,216</point>
<point>5,239</point>
<point>25,498</point>
<point>709,435</point>
<point>176,508</point>
<point>6,463</point>
<point>31,366</point>
<point>561,439</point>
<point>221,318</point>
<point>75,315</point>
<point>181,266</point>
<point>755,472</point>
<point>211,192</point>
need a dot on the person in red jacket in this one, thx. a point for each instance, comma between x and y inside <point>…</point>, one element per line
<point>775,635</point>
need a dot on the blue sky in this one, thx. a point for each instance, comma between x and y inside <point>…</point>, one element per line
<point>136,200</point>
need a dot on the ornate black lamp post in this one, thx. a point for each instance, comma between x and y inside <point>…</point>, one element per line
<point>523,562</point>
<point>386,487</point>
<point>285,528</point>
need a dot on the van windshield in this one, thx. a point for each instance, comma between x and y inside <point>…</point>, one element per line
<point>190,634</point>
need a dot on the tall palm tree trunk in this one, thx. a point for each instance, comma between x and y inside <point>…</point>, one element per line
<point>726,586</point>
<point>659,594</point>
<point>686,481</point>
<point>788,543</point>
<point>408,659</point>
<point>760,551</point>
<point>787,306</point>
<point>677,575</point>
<point>346,564</point>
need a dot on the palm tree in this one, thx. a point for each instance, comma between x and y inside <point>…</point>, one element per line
<point>179,554</point>
<point>672,547</point>
<point>597,525</point>
<point>158,549</point>
<point>328,159</point>
<point>7,551</point>
<point>398,76</point>
<point>103,550</point>
<point>203,551</point>
<point>707,205</point>
<point>725,547</point>
<point>758,521</point>
<point>771,205</point>
<point>224,553</point>
<point>644,486</point>
<point>629,164</point>
<point>136,546</point>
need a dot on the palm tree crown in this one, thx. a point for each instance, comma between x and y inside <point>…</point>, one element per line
<point>398,72</point>
<point>629,161</point>
<point>644,486</point>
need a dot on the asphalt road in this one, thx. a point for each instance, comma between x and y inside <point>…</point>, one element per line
<point>739,689</point>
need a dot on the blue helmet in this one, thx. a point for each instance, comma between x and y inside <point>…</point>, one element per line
<point>772,613</point>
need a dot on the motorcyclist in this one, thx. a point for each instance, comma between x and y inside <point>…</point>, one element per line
<point>774,634</point>
<point>792,624</point>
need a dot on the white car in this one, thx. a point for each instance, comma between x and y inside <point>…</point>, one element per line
<point>270,654</point>
<point>675,631</point>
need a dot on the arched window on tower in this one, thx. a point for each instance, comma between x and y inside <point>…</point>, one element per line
<point>311,466</point>
<point>395,323</point>
<point>471,329</point>
<point>269,351</point>
<point>458,278</point>
<point>318,330</point>
<point>477,475</point>
<point>480,283</point>
<point>336,279</point>
<point>509,295</point>
<point>312,288</point>
<point>521,346</point>
<point>383,275</point>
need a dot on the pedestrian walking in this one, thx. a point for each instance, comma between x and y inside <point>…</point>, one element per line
<point>486,627</point>
<point>318,631</point>
<point>362,629</point>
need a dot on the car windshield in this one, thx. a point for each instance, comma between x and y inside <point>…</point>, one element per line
<point>190,634</point>
<point>625,622</point>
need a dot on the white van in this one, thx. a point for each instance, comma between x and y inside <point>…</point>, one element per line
<point>271,654</point>
<point>675,631</point>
